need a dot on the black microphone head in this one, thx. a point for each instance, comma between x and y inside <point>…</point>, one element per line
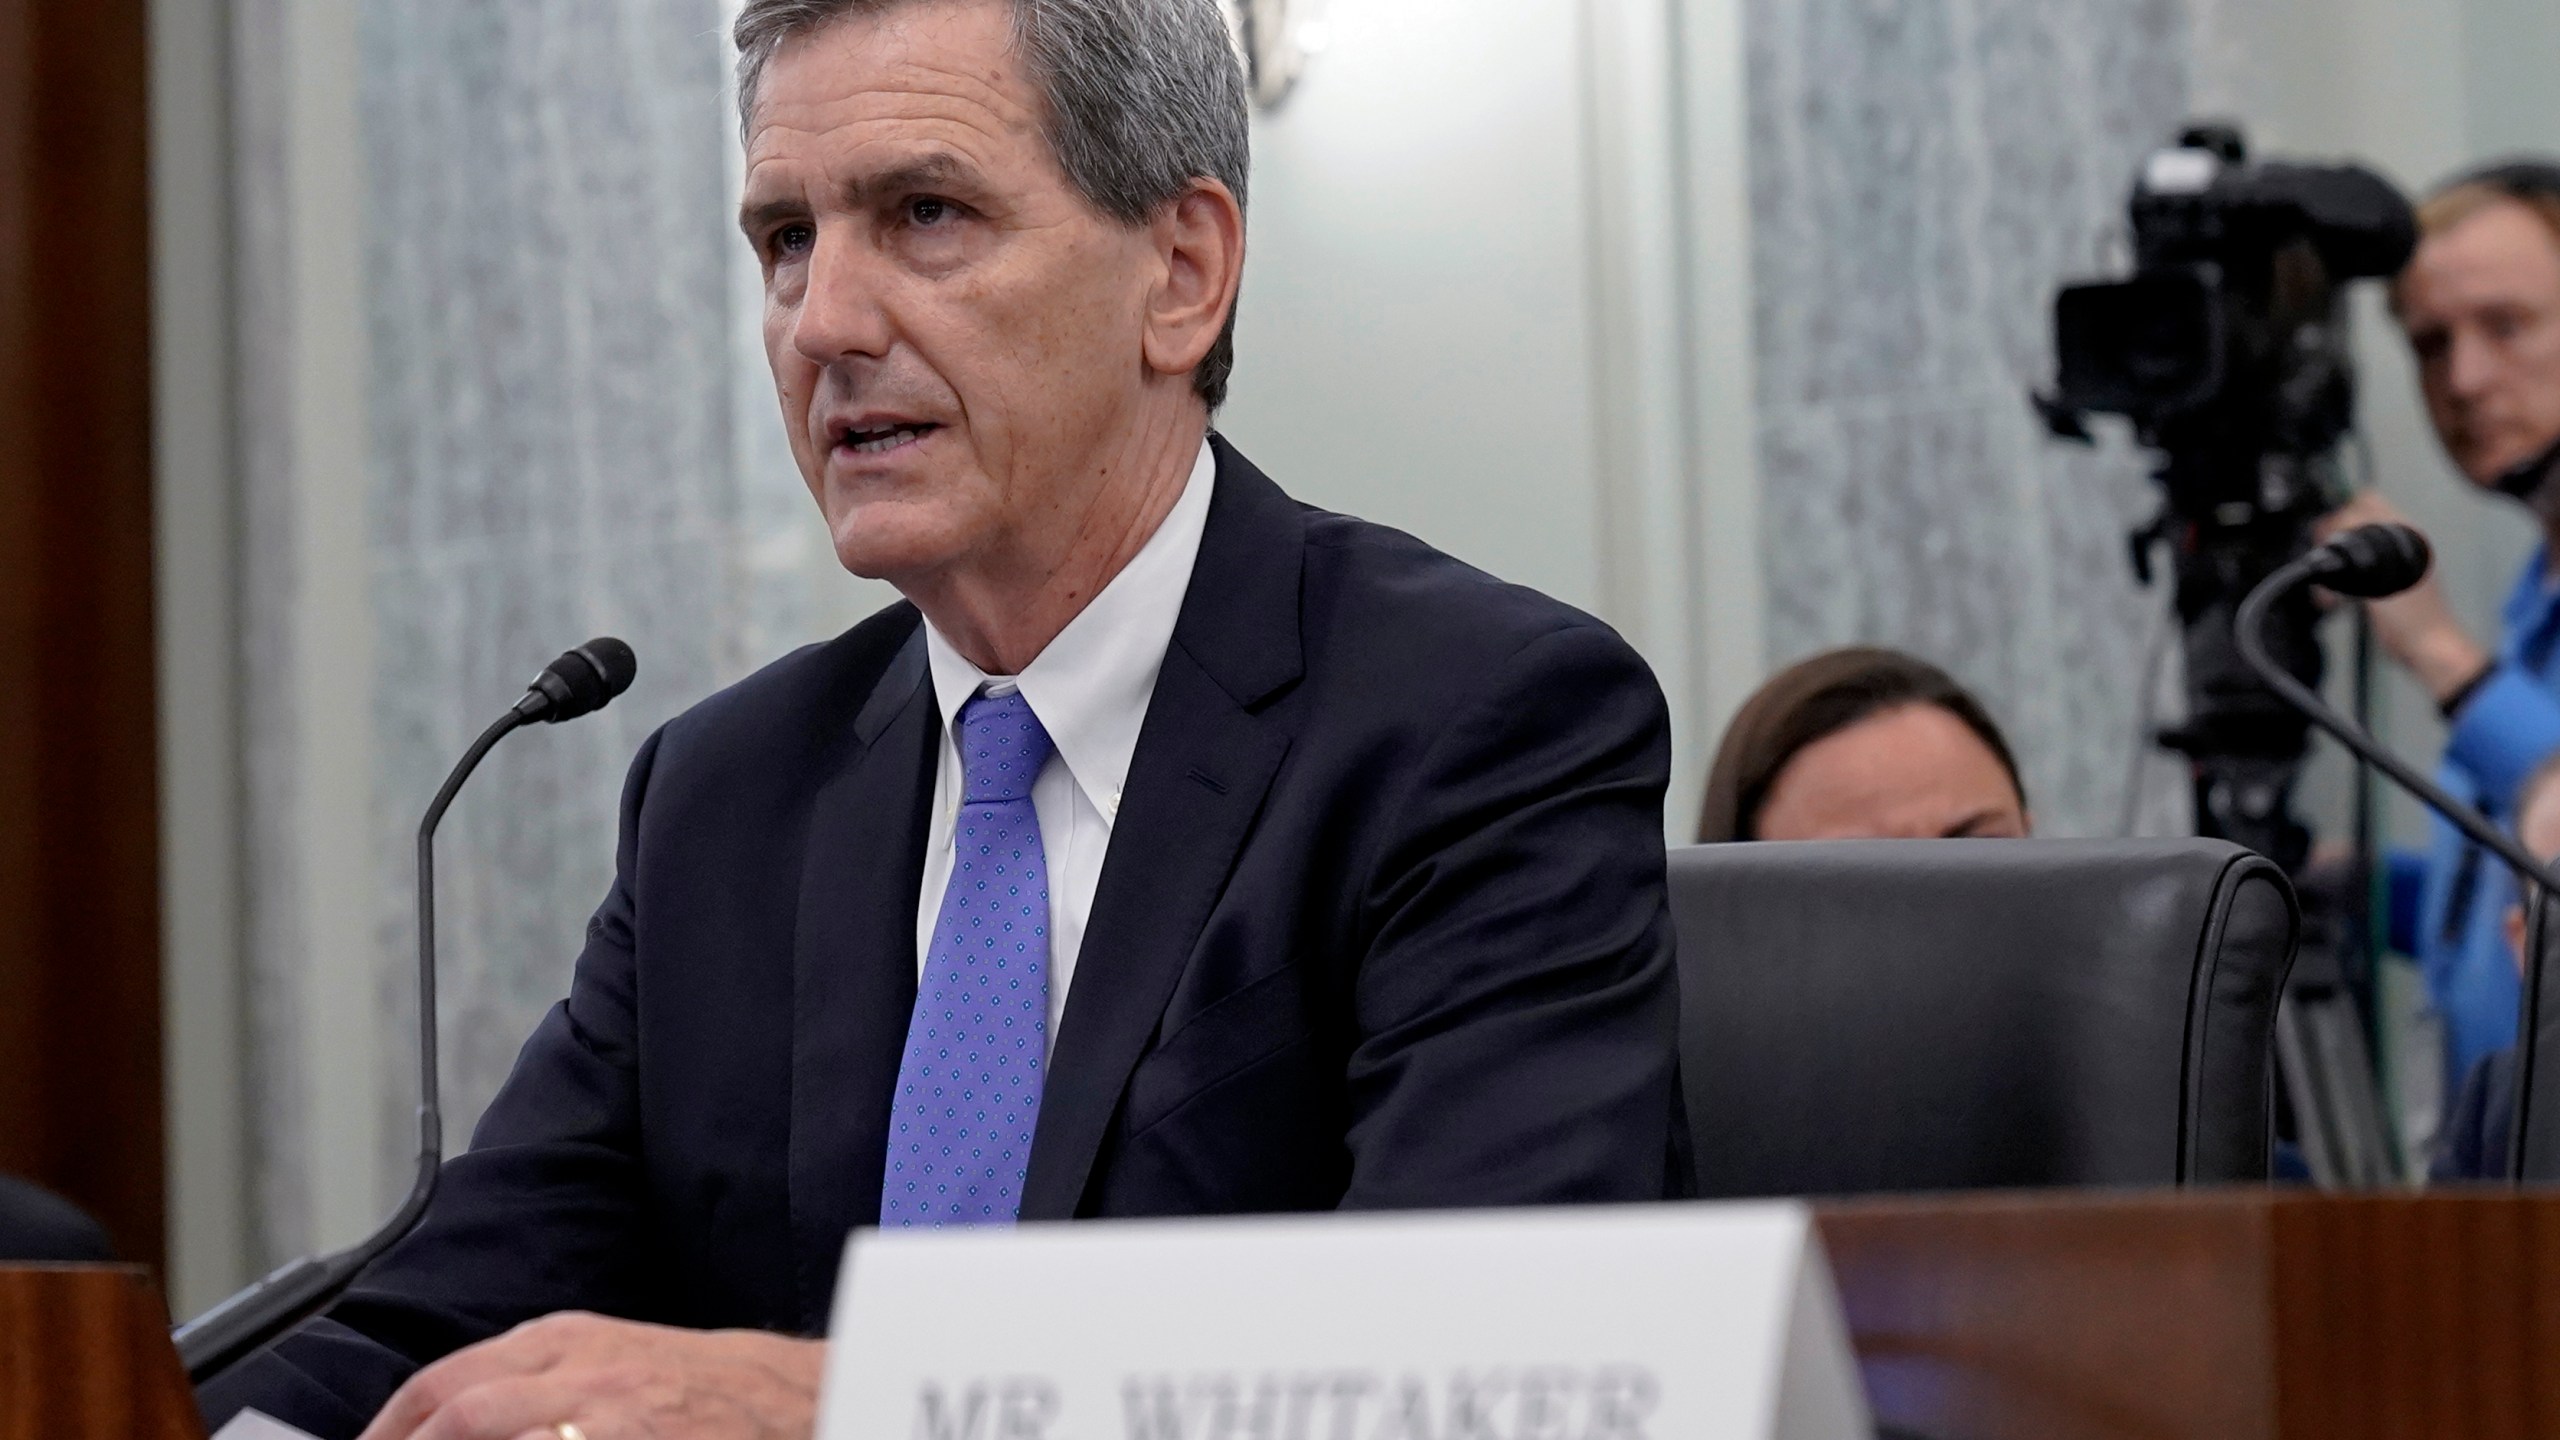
<point>2372,561</point>
<point>581,682</point>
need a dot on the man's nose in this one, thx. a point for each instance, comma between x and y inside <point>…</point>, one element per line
<point>842,316</point>
<point>2473,366</point>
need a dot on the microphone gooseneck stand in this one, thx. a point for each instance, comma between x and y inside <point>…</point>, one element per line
<point>579,682</point>
<point>2368,563</point>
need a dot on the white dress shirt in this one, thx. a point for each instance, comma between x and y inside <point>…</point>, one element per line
<point>1090,690</point>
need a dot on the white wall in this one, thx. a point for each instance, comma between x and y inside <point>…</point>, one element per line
<point>264,632</point>
<point>194,534</point>
<point>1469,312</point>
<point>2510,99</point>
<point>1416,337</point>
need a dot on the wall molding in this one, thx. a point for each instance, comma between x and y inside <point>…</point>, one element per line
<point>1676,427</point>
<point>195,540</point>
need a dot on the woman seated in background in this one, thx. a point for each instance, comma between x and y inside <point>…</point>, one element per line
<point>1863,743</point>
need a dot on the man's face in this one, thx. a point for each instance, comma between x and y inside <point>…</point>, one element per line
<point>954,330</point>
<point>2481,303</point>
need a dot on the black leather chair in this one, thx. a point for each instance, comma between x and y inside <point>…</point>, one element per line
<point>1871,1016</point>
<point>38,1225</point>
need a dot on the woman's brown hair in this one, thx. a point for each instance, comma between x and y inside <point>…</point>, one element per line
<point>1813,700</point>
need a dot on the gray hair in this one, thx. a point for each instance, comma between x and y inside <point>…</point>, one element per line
<point>1143,98</point>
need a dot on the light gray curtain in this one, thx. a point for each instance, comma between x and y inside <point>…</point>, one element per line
<point>549,231</point>
<point>561,388</point>
<point>1924,175</point>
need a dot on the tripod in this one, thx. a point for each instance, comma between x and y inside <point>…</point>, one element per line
<point>2245,750</point>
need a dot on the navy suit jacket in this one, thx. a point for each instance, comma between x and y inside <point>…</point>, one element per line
<point>1382,924</point>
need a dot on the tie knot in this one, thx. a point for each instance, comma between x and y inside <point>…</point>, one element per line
<point>1002,748</point>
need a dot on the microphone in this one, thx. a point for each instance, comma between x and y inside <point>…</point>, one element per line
<point>581,682</point>
<point>2369,562</point>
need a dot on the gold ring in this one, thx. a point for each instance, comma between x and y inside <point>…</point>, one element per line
<point>568,1430</point>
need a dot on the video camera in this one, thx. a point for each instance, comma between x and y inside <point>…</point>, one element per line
<point>2228,350</point>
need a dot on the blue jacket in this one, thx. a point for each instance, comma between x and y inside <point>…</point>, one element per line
<point>2507,726</point>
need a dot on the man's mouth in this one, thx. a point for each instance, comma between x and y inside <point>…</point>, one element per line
<point>881,439</point>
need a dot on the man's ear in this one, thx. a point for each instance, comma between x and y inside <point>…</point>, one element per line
<point>1199,242</point>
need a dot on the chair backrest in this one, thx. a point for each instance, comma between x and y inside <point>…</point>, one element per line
<point>36,1224</point>
<point>1870,1016</point>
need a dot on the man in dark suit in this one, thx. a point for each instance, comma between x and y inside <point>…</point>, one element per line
<point>1176,849</point>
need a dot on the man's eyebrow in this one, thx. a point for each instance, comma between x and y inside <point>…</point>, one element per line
<point>929,172</point>
<point>756,215</point>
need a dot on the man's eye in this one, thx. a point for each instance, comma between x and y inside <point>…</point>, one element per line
<point>925,211</point>
<point>792,240</point>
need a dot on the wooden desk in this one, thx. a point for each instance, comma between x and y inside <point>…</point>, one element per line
<point>2239,1315</point>
<point>2231,1315</point>
<point>85,1355</point>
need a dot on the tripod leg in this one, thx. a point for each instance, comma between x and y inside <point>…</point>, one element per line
<point>2329,1075</point>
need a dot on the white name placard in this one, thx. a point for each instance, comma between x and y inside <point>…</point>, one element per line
<point>1658,1322</point>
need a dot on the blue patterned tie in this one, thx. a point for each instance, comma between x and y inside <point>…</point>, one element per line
<point>969,1088</point>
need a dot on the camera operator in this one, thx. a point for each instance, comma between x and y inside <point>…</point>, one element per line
<point>2480,304</point>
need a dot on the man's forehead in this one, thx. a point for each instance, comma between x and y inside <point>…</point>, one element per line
<point>2502,243</point>
<point>933,63</point>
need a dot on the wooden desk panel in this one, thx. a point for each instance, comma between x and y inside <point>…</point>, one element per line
<point>2219,1316</point>
<point>85,1355</point>
<point>2246,1315</point>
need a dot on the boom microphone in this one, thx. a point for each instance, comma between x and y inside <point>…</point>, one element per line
<point>581,682</point>
<point>585,680</point>
<point>2370,562</point>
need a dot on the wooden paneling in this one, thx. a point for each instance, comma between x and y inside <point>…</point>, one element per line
<point>2409,1315</point>
<point>2037,1316</point>
<point>2246,1315</point>
<point>85,1355</point>
<point>80,1071</point>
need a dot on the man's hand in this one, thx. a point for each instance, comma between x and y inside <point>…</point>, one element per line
<point>2417,627</point>
<point>612,1380</point>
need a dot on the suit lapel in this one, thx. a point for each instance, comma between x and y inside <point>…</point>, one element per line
<point>1204,761</point>
<point>854,967</point>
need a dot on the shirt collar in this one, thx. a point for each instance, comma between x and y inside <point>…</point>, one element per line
<point>1091,686</point>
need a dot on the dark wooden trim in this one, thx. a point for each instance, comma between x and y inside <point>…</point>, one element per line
<point>80,1056</point>
<point>2206,1315</point>
<point>85,1355</point>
